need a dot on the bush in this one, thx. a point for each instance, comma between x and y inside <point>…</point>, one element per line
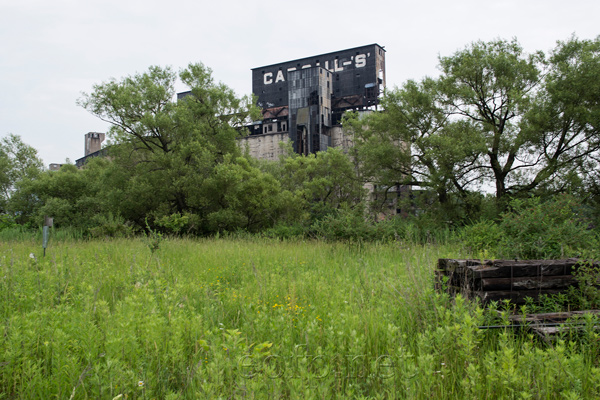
<point>345,224</point>
<point>533,229</point>
<point>110,226</point>
<point>481,236</point>
<point>286,231</point>
<point>7,222</point>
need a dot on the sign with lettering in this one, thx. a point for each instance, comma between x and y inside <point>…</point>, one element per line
<point>354,70</point>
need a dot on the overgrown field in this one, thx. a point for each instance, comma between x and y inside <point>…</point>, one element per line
<point>224,318</point>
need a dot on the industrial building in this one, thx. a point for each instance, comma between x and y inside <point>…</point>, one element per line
<point>303,100</point>
<point>92,147</point>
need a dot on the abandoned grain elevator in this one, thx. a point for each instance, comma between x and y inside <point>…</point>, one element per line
<point>303,100</point>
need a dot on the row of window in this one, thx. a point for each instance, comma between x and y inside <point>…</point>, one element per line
<point>281,127</point>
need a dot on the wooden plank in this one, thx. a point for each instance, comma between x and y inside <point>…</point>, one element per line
<point>526,283</point>
<point>551,317</point>
<point>502,268</point>
<point>507,269</point>
<point>459,265</point>
<point>506,279</point>
<point>516,297</point>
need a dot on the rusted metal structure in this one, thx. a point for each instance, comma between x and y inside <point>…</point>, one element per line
<point>307,97</point>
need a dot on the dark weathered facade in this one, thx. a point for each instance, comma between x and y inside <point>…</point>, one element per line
<point>307,97</point>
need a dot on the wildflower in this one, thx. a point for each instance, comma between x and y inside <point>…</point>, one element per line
<point>141,383</point>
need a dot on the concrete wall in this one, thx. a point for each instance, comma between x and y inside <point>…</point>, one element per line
<point>93,142</point>
<point>340,139</point>
<point>265,146</point>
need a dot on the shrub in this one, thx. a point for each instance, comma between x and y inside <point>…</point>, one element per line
<point>110,226</point>
<point>533,229</point>
<point>7,222</point>
<point>483,235</point>
<point>345,224</point>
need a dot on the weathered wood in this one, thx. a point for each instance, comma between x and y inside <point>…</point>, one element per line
<point>514,280</point>
<point>516,297</point>
<point>551,317</point>
<point>507,269</point>
<point>459,265</point>
<point>504,268</point>
<point>526,283</point>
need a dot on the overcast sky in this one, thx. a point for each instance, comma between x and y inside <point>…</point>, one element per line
<point>52,51</point>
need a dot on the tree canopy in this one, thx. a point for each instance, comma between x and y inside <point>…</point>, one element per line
<point>18,161</point>
<point>496,120</point>
<point>495,117</point>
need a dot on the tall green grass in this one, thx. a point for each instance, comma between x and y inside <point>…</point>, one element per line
<point>260,318</point>
<point>21,233</point>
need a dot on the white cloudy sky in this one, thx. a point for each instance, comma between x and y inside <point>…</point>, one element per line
<point>51,51</point>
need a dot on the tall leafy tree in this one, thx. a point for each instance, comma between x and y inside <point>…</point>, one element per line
<point>415,142</point>
<point>18,161</point>
<point>173,151</point>
<point>492,85</point>
<point>495,116</point>
<point>565,118</point>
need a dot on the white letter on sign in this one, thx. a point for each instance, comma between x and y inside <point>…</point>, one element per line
<point>279,76</point>
<point>361,61</point>
<point>268,78</point>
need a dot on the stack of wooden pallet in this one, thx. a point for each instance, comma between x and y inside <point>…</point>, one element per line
<point>506,279</point>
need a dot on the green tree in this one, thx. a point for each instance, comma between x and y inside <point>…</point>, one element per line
<point>414,142</point>
<point>565,118</point>
<point>242,196</point>
<point>322,182</point>
<point>18,161</point>
<point>493,86</point>
<point>67,195</point>
<point>495,116</point>
<point>168,154</point>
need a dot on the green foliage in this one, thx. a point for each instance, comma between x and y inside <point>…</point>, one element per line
<point>179,162</point>
<point>174,223</point>
<point>533,229</point>
<point>412,143</point>
<point>110,226</point>
<point>286,231</point>
<point>18,162</point>
<point>482,236</point>
<point>491,117</point>
<point>69,195</point>
<point>344,224</point>
<point>153,239</point>
<point>544,230</point>
<point>322,183</point>
<point>7,222</point>
<point>263,319</point>
<point>587,295</point>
